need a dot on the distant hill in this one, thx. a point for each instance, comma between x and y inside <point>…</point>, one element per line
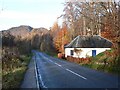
<point>40,30</point>
<point>24,30</point>
<point>27,38</point>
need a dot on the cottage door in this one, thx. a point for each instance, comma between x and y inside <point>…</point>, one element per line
<point>93,53</point>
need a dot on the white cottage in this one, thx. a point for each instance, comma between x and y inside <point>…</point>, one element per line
<point>85,46</point>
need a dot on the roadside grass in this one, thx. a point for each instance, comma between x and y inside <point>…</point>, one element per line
<point>52,54</point>
<point>14,77</point>
<point>105,63</point>
<point>55,55</point>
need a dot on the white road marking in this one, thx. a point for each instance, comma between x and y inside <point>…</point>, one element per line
<point>76,74</point>
<point>46,58</point>
<point>58,64</point>
<point>41,80</point>
<point>51,61</point>
<point>36,74</point>
<point>65,68</point>
<point>39,75</point>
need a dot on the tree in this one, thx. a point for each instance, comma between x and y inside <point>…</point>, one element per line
<point>8,40</point>
<point>70,18</point>
<point>55,29</point>
<point>93,18</point>
<point>61,39</point>
<point>112,22</point>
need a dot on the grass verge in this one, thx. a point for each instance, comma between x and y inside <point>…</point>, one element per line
<point>13,77</point>
<point>105,63</point>
<point>52,54</point>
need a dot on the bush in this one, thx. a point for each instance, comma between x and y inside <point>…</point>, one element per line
<point>79,60</point>
<point>60,55</point>
<point>13,68</point>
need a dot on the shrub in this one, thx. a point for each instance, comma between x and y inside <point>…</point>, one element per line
<point>79,60</point>
<point>60,55</point>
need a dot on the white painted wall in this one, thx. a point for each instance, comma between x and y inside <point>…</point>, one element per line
<point>85,51</point>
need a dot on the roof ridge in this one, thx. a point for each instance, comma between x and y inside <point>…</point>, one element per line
<point>93,41</point>
<point>77,40</point>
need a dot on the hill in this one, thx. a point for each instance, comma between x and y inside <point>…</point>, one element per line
<point>23,30</point>
<point>28,38</point>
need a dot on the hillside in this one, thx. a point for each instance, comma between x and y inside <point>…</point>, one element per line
<point>24,30</point>
<point>28,38</point>
<point>18,31</point>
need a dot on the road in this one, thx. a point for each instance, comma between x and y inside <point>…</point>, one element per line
<point>56,73</point>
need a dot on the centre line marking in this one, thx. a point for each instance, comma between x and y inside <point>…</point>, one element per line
<point>76,74</point>
<point>58,64</point>
<point>51,61</point>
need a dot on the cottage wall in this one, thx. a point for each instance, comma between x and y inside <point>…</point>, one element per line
<point>85,52</point>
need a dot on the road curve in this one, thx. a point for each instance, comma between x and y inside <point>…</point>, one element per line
<point>56,73</point>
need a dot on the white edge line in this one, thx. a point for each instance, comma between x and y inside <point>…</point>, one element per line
<point>41,80</point>
<point>76,74</point>
<point>36,74</point>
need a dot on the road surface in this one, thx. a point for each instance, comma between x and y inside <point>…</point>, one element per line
<point>56,73</point>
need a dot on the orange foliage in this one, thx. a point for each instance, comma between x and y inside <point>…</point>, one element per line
<point>107,33</point>
<point>61,39</point>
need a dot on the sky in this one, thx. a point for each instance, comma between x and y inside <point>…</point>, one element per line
<point>35,13</point>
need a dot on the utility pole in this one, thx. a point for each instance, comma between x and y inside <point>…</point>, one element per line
<point>2,6</point>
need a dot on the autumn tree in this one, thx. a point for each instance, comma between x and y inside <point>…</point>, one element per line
<point>92,18</point>
<point>61,39</point>
<point>54,29</point>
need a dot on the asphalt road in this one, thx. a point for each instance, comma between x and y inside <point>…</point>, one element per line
<point>56,73</point>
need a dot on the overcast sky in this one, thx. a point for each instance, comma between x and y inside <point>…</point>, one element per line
<point>36,13</point>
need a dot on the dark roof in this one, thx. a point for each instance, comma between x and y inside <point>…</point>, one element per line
<point>94,41</point>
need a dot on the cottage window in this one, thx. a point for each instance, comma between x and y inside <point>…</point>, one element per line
<point>71,52</point>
